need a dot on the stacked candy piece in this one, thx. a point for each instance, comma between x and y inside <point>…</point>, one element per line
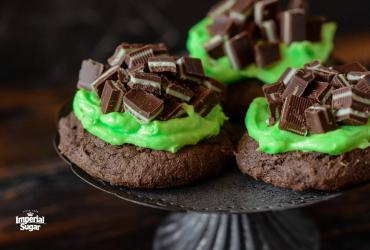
<point>248,31</point>
<point>147,82</point>
<point>316,99</point>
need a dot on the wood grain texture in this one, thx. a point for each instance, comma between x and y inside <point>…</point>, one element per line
<point>80,217</point>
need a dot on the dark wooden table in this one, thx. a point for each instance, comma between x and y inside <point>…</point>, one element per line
<point>78,216</point>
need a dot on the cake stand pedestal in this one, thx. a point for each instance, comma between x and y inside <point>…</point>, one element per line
<point>230,211</point>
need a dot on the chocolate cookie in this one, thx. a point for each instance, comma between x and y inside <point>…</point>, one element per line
<point>137,167</point>
<point>301,171</point>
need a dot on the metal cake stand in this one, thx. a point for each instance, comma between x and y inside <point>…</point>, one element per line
<point>229,211</point>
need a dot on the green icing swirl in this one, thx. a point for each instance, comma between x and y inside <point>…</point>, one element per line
<point>273,140</point>
<point>295,55</point>
<point>118,128</point>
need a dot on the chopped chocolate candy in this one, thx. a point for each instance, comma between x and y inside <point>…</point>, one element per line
<point>265,10</point>
<point>348,97</point>
<point>123,75</point>
<point>356,76</point>
<point>205,100</point>
<point>112,97</point>
<point>145,81</point>
<point>339,81</point>
<point>159,49</point>
<point>297,4</point>
<point>89,72</point>
<point>269,31</point>
<point>241,10</point>
<point>221,8</point>
<point>287,75</point>
<point>321,72</point>
<point>320,119</point>
<point>215,46</point>
<point>239,50</point>
<point>293,114</point>
<point>298,84</point>
<point>172,109</point>
<point>350,116</point>
<point>222,25</point>
<point>364,85</point>
<point>275,101</point>
<point>139,56</point>
<point>214,85</point>
<point>190,67</point>
<point>180,92</point>
<point>313,28</point>
<point>349,67</point>
<point>293,25</point>
<point>118,57</point>
<point>266,54</point>
<point>142,105</point>
<point>110,74</point>
<point>162,64</point>
<point>320,92</point>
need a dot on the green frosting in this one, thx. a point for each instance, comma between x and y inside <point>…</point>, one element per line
<point>273,140</point>
<point>118,128</point>
<point>294,55</point>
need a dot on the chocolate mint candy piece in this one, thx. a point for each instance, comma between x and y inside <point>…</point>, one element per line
<point>222,25</point>
<point>298,84</point>
<point>292,26</point>
<point>139,56</point>
<point>351,116</point>
<point>313,28</point>
<point>293,116</point>
<point>110,74</point>
<point>269,31</point>
<point>339,81</point>
<point>273,93</point>
<point>320,119</point>
<point>89,72</point>
<point>298,4</point>
<point>349,67</point>
<point>204,100</point>
<point>190,69</point>
<point>162,64</point>
<point>364,85</point>
<point>118,57</point>
<point>239,50</point>
<point>266,54</point>
<point>142,105</point>
<point>159,49</point>
<point>241,10</point>
<point>287,75</point>
<point>112,97</point>
<point>221,8</point>
<point>145,81</point>
<point>172,109</point>
<point>265,10</point>
<point>348,97</point>
<point>180,92</point>
<point>214,85</point>
<point>356,76</point>
<point>123,75</point>
<point>215,46</point>
<point>321,72</point>
<point>320,91</point>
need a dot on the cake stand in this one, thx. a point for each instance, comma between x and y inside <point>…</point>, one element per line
<point>228,212</point>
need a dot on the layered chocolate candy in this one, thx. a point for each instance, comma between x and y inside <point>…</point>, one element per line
<point>248,31</point>
<point>316,99</point>
<point>148,83</point>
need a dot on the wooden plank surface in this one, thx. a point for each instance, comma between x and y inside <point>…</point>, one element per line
<point>78,216</point>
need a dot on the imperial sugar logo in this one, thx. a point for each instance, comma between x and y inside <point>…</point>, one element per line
<point>30,221</point>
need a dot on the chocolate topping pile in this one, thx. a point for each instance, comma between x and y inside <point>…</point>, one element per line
<point>147,82</point>
<point>316,98</point>
<point>248,31</point>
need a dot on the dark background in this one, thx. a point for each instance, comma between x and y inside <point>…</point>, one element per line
<point>43,42</point>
